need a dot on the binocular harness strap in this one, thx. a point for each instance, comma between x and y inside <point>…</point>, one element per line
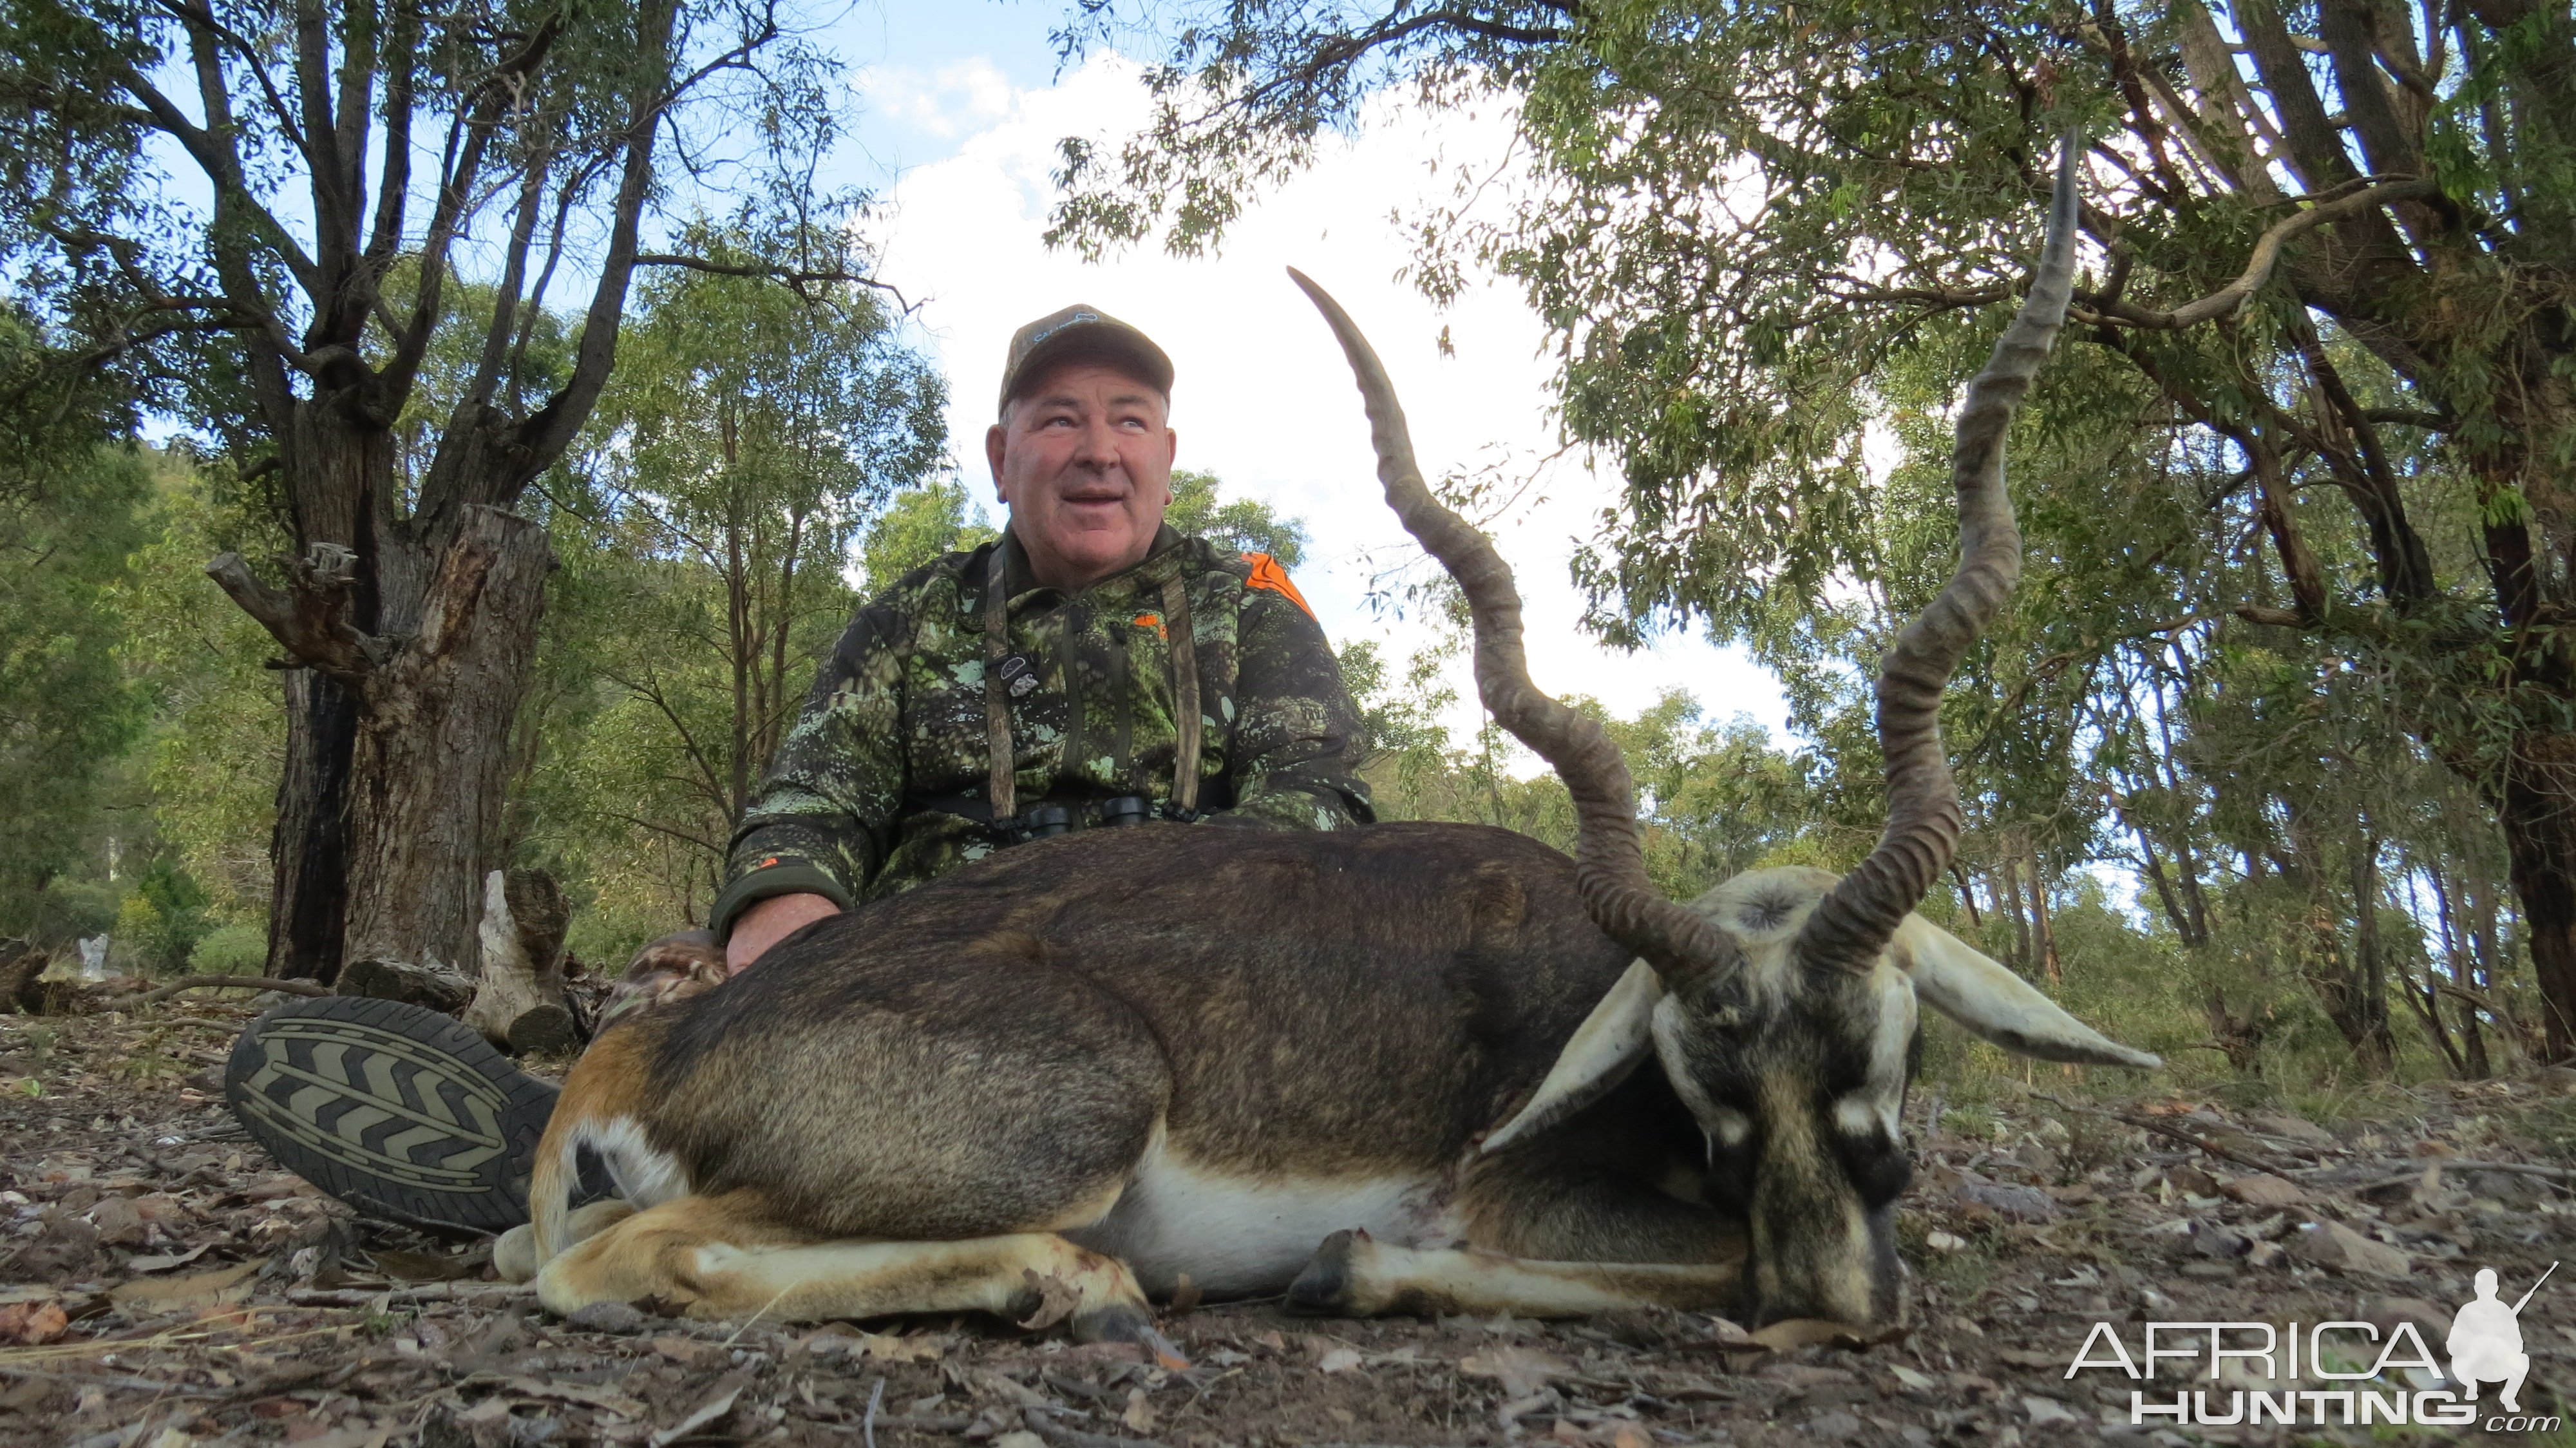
<point>1002,791</point>
<point>1003,786</point>
<point>1184,644</point>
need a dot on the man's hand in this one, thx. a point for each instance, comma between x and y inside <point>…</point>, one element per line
<point>770,921</point>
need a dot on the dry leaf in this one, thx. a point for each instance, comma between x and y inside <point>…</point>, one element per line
<point>1797,1332</point>
<point>1523,1371</point>
<point>617,1403</point>
<point>423,1266</point>
<point>686,1351</point>
<point>1630,1435</point>
<point>1139,1416</point>
<point>2334,1245</point>
<point>1056,1300</point>
<point>33,1323</point>
<point>2262,1189</point>
<point>119,1222</point>
<point>900,1349</point>
<point>718,1403</point>
<point>164,1262</point>
<point>220,1288</point>
<point>1339,1360</point>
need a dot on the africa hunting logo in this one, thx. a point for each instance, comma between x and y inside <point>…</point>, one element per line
<point>2484,1348</point>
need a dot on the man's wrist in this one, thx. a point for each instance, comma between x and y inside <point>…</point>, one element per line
<point>773,876</point>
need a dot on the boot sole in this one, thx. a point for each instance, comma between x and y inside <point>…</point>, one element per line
<point>395,1109</point>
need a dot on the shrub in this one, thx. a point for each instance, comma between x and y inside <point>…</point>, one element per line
<point>230,950</point>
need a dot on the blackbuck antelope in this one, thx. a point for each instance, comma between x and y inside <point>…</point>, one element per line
<point>1393,1069</point>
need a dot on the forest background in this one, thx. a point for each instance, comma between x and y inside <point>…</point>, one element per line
<point>2262,770</point>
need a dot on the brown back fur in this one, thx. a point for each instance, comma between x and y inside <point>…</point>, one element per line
<point>990,1051</point>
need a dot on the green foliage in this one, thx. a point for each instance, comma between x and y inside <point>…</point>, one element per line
<point>919,526</point>
<point>1238,525</point>
<point>2276,656</point>
<point>750,442</point>
<point>230,950</point>
<point>211,754</point>
<point>70,505</point>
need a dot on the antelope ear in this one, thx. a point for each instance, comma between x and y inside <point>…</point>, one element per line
<point>1606,1047</point>
<point>1998,1006</point>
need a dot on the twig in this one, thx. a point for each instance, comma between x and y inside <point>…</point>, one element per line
<point>2519,1168</point>
<point>868,1424</point>
<point>230,982</point>
<point>2149,1123</point>
<point>147,1385</point>
<point>425,1292</point>
<point>1064,1437</point>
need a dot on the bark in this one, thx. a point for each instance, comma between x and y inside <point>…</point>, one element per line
<point>518,1002</point>
<point>2043,934</point>
<point>2366,997</point>
<point>2540,840</point>
<point>431,756</point>
<point>308,848</point>
<point>2008,871</point>
<point>2473,1039</point>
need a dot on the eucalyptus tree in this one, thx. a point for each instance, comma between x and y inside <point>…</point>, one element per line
<point>2333,242</point>
<point>749,439</point>
<point>71,499</point>
<point>281,198</point>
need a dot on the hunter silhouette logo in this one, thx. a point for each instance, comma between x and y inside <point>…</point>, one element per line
<point>2486,1341</point>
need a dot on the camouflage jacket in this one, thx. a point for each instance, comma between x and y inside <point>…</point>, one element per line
<point>882,783</point>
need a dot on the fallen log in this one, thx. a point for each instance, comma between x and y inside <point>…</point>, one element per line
<point>230,982</point>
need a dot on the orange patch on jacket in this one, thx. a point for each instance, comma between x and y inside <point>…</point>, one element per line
<point>1266,573</point>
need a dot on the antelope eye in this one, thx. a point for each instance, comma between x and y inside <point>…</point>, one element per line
<point>1879,1175</point>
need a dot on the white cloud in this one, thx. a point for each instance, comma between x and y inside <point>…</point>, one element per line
<point>958,98</point>
<point>1263,397</point>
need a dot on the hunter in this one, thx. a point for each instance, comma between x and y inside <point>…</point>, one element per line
<point>1026,689</point>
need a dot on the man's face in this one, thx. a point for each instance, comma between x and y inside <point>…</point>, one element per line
<point>1083,459</point>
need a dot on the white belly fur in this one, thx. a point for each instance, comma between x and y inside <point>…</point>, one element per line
<point>1241,1235</point>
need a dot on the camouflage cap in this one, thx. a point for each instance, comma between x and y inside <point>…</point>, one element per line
<point>1080,331</point>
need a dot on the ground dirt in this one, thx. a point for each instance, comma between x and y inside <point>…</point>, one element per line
<point>164,1285</point>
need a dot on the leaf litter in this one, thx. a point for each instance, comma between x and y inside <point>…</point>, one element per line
<point>164,1285</point>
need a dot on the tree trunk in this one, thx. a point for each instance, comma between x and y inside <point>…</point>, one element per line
<point>2008,870</point>
<point>2538,812</point>
<point>2455,952</point>
<point>2043,933</point>
<point>2377,1046</point>
<point>308,847</point>
<point>431,758</point>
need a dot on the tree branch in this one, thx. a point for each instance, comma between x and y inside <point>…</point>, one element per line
<point>310,617</point>
<point>792,278</point>
<point>2231,299</point>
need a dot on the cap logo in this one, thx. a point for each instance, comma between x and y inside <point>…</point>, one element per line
<point>1077,319</point>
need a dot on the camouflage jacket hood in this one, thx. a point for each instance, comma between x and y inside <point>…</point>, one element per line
<point>882,782</point>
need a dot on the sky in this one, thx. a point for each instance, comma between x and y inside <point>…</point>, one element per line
<point>958,108</point>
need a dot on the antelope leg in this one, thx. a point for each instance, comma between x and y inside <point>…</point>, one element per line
<point>1354,1275</point>
<point>719,1257</point>
<point>514,1257</point>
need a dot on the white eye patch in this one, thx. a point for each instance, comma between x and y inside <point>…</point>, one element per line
<point>1867,1114</point>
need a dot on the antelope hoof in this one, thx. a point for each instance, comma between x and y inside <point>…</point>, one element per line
<point>514,1257</point>
<point>1328,1286</point>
